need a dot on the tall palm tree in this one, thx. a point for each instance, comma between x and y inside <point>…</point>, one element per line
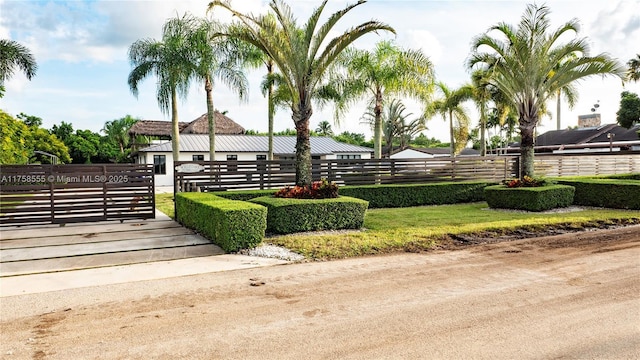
<point>212,59</point>
<point>395,124</point>
<point>15,55</point>
<point>529,64</point>
<point>480,92</point>
<point>385,71</point>
<point>450,105</point>
<point>170,60</point>
<point>299,55</point>
<point>117,131</point>
<point>324,128</point>
<point>633,73</point>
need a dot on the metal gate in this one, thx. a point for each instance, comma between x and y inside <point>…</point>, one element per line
<point>60,194</point>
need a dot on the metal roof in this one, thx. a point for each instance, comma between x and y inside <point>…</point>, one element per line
<point>282,145</point>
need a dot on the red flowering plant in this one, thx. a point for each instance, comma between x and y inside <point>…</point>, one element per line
<point>322,189</point>
<point>526,181</point>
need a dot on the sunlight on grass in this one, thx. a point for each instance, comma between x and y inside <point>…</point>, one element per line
<point>164,203</point>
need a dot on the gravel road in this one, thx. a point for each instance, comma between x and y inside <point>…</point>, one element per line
<point>572,296</point>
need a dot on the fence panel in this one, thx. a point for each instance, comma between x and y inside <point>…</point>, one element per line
<point>586,165</point>
<point>59,194</point>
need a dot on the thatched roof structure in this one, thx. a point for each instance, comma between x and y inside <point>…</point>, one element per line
<point>224,125</point>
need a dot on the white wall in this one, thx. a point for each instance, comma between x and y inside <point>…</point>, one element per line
<point>411,154</point>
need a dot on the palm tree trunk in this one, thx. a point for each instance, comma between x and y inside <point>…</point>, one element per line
<point>271,109</point>
<point>527,129</point>
<point>208,88</point>
<point>377,126</point>
<point>301,117</point>
<point>483,129</point>
<point>558,108</point>
<point>175,130</point>
<point>452,153</point>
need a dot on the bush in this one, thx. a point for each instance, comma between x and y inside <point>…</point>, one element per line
<point>610,193</point>
<point>405,195</point>
<point>230,224</point>
<point>529,198</point>
<point>243,195</point>
<point>287,216</point>
<point>318,190</point>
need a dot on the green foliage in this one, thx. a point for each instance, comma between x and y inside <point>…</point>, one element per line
<point>18,143</point>
<point>526,181</point>
<point>422,141</point>
<point>232,225</point>
<point>29,120</point>
<point>243,195</point>
<point>351,138</point>
<point>529,198</point>
<point>287,216</point>
<point>405,195</point>
<point>610,193</point>
<point>85,146</point>
<point>629,112</point>
<point>117,138</point>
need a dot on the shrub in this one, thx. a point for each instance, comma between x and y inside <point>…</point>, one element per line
<point>318,190</point>
<point>610,193</point>
<point>526,181</point>
<point>529,198</point>
<point>286,215</point>
<point>243,195</point>
<point>230,224</point>
<point>405,195</point>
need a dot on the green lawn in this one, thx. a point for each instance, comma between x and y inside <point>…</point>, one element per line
<point>422,228</point>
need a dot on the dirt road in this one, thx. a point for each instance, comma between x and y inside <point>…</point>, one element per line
<point>574,296</point>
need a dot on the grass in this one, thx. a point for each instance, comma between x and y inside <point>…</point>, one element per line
<point>425,227</point>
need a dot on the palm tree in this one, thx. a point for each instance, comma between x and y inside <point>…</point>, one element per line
<point>117,131</point>
<point>480,92</point>
<point>212,58</point>
<point>324,128</point>
<point>528,64</point>
<point>394,124</point>
<point>298,54</point>
<point>15,55</point>
<point>449,105</point>
<point>171,61</point>
<point>385,71</point>
<point>633,73</point>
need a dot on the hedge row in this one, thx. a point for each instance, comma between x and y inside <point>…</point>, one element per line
<point>232,225</point>
<point>285,215</point>
<point>529,198</point>
<point>609,193</point>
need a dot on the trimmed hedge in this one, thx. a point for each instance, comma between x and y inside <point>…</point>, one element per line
<point>230,224</point>
<point>244,195</point>
<point>406,195</point>
<point>286,216</point>
<point>609,193</point>
<point>529,198</point>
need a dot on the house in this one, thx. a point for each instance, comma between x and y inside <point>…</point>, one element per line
<point>195,147</point>
<point>153,130</point>
<point>603,138</point>
<point>422,153</point>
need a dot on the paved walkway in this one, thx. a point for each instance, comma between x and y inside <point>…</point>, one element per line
<point>37,259</point>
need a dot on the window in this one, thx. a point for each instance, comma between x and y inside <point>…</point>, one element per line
<point>351,156</point>
<point>262,167</point>
<point>261,157</point>
<point>159,164</point>
<point>198,157</point>
<point>230,165</point>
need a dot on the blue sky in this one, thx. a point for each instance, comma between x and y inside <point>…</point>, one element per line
<point>81,50</point>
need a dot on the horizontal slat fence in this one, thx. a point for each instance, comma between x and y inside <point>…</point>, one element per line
<point>585,165</point>
<point>59,194</point>
<point>236,175</point>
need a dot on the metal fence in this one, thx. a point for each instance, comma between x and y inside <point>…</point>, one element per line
<point>59,194</point>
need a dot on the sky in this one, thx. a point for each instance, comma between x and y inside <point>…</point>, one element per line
<point>81,51</point>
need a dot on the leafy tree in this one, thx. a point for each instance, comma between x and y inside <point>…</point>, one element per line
<point>449,105</point>
<point>350,138</point>
<point>64,131</point>
<point>324,128</point>
<point>170,60</point>
<point>423,141</point>
<point>633,73</point>
<point>15,55</point>
<point>385,71</point>
<point>29,120</point>
<point>117,135</point>
<point>299,55</point>
<point>20,142</point>
<point>629,112</point>
<point>529,64</point>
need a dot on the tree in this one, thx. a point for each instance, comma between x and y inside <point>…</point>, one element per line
<point>117,133</point>
<point>170,60</point>
<point>211,59</point>
<point>480,92</point>
<point>449,105</point>
<point>15,55</point>
<point>324,128</point>
<point>29,120</point>
<point>633,73</point>
<point>300,57</point>
<point>385,71</point>
<point>350,138</point>
<point>529,64</point>
<point>629,112</point>
<point>19,143</point>
<point>396,127</point>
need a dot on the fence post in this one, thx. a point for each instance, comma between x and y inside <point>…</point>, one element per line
<point>104,192</point>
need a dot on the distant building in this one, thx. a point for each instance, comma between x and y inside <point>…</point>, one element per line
<point>425,153</point>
